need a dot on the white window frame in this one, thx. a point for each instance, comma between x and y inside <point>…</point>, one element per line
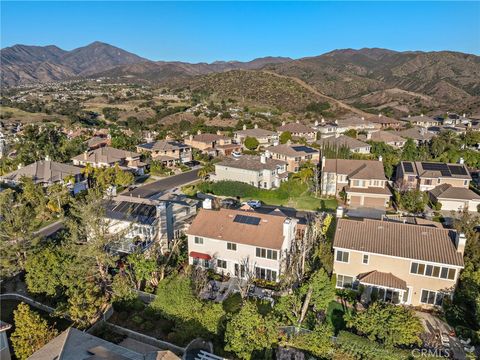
<point>363,259</point>
<point>198,240</point>
<point>340,261</point>
<point>232,244</point>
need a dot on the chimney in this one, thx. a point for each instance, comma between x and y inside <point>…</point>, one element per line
<point>263,159</point>
<point>409,115</point>
<point>289,230</point>
<point>207,204</point>
<point>219,132</point>
<point>267,154</point>
<point>421,115</point>
<point>85,155</point>
<point>256,126</point>
<point>244,127</point>
<point>323,120</point>
<point>283,123</point>
<point>199,132</point>
<point>363,118</point>
<point>298,121</point>
<point>380,158</point>
<point>461,161</point>
<point>369,135</point>
<point>316,122</point>
<point>336,122</point>
<point>191,137</point>
<point>323,161</point>
<point>379,114</point>
<point>464,115</point>
<point>460,241</point>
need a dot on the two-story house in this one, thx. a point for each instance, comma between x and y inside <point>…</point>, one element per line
<point>259,171</point>
<point>264,137</point>
<point>419,135</point>
<point>293,154</point>
<point>108,156</point>
<point>446,183</point>
<point>47,172</point>
<point>169,152</point>
<point>338,142</point>
<point>363,181</point>
<point>137,223</point>
<point>340,126</point>
<point>213,144</point>
<point>422,120</point>
<point>241,243</point>
<point>298,130</point>
<point>396,262</point>
<point>387,137</point>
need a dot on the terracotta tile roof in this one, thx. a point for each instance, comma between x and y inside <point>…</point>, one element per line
<point>356,169</point>
<point>292,150</point>
<point>386,137</point>
<point>369,190</point>
<point>220,225</point>
<point>163,145</point>
<point>251,162</point>
<point>296,128</point>
<point>447,191</point>
<point>398,239</point>
<point>382,279</point>
<point>44,171</point>
<point>343,140</point>
<point>207,138</point>
<point>107,154</point>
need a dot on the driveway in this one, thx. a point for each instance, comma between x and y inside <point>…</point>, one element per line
<point>163,185</point>
<point>364,212</point>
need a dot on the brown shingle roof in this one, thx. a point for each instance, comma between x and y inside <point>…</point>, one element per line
<point>251,162</point>
<point>256,132</point>
<point>398,239</point>
<point>108,155</point>
<point>296,128</point>
<point>356,169</point>
<point>44,171</point>
<point>208,138</point>
<point>447,191</point>
<point>343,140</point>
<point>220,225</point>
<point>163,145</point>
<point>369,190</point>
<point>416,133</point>
<point>385,136</point>
<point>382,279</point>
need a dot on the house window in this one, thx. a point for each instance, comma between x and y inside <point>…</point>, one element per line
<point>428,181</point>
<point>242,270</point>
<point>365,259</point>
<point>465,182</point>
<point>451,274</point>
<point>344,281</point>
<point>265,274</point>
<point>432,297</point>
<point>433,271</point>
<point>267,254</point>
<point>342,256</point>
<point>221,264</point>
<point>198,240</point>
<point>231,246</point>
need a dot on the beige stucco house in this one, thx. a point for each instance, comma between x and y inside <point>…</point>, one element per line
<point>298,130</point>
<point>396,262</point>
<point>241,243</point>
<point>363,181</point>
<point>343,141</point>
<point>169,152</point>
<point>293,154</point>
<point>264,137</point>
<point>213,144</point>
<point>258,171</point>
<point>108,156</point>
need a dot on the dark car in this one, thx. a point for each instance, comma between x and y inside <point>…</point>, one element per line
<point>192,163</point>
<point>230,203</point>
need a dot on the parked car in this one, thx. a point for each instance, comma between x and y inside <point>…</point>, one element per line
<point>229,203</point>
<point>254,203</point>
<point>236,154</point>
<point>192,163</point>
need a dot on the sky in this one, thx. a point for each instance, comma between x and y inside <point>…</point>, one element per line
<point>210,31</point>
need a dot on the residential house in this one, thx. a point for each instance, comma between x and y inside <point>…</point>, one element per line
<point>73,344</point>
<point>396,262</point>
<point>343,141</point>
<point>264,137</point>
<point>213,144</point>
<point>386,137</point>
<point>340,126</point>
<point>298,130</point>
<point>419,135</point>
<point>169,152</point>
<point>108,157</point>
<point>98,142</point>
<point>293,154</point>
<point>47,172</point>
<point>446,183</point>
<point>136,224</point>
<point>422,120</point>
<point>259,171</point>
<point>363,181</point>
<point>386,123</point>
<point>240,243</point>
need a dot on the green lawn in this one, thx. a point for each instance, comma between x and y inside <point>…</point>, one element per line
<point>335,313</point>
<point>290,194</point>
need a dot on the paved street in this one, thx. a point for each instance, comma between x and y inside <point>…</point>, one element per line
<point>51,229</point>
<point>160,186</point>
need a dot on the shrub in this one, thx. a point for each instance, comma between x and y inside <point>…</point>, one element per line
<point>137,319</point>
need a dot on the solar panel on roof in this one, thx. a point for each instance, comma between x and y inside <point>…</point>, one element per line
<point>408,167</point>
<point>306,149</point>
<point>433,166</point>
<point>457,170</point>
<point>249,220</point>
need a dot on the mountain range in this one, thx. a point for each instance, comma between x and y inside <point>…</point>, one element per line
<point>368,78</point>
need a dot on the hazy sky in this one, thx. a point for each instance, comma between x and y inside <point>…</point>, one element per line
<point>209,31</point>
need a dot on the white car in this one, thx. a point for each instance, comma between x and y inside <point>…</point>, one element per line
<point>254,203</point>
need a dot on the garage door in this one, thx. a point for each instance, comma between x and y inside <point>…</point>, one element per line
<point>374,202</point>
<point>452,205</point>
<point>356,200</point>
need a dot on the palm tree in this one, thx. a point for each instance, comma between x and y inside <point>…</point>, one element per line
<point>87,171</point>
<point>304,175</point>
<point>206,170</point>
